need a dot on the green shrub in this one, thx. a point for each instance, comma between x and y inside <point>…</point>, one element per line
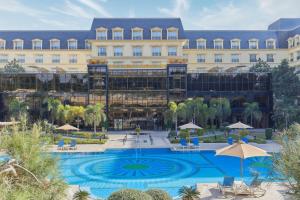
<point>244,133</point>
<point>172,134</point>
<point>174,141</point>
<point>158,194</point>
<point>200,132</point>
<point>269,133</point>
<point>184,134</point>
<point>129,194</point>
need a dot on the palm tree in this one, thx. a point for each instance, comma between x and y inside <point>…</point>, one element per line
<point>17,108</point>
<point>81,195</point>
<point>173,108</point>
<point>252,111</point>
<point>94,115</point>
<point>76,112</point>
<point>223,108</point>
<point>188,193</point>
<point>53,107</point>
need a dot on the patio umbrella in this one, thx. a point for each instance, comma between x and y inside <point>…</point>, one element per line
<point>2,124</point>
<point>190,125</point>
<point>242,151</point>
<point>67,127</point>
<point>239,125</point>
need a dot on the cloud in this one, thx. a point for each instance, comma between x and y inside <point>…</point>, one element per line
<point>95,6</point>
<point>15,6</point>
<point>178,10</point>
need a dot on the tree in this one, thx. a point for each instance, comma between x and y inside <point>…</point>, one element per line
<point>81,195</point>
<point>286,89</point>
<point>173,108</point>
<point>53,107</point>
<point>17,108</point>
<point>222,108</point>
<point>13,67</point>
<point>94,115</point>
<point>158,194</point>
<point>288,160</point>
<point>63,113</point>
<point>260,67</point>
<point>252,110</point>
<point>129,194</point>
<point>35,173</point>
<point>188,193</point>
<point>76,112</point>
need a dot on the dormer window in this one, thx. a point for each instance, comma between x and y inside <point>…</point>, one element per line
<point>37,44</point>
<point>2,44</point>
<point>218,44</point>
<point>297,40</point>
<point>186,44</point>
<point>291,42</point>
<point>101,34</point>
<point>172,33</point>
<point>18,44</point>
<point>117,34</point>
<point>235,44</point>
<point>253,44</point>
<point>156,33</point>
<point>72,44</point>
<point>137,33</point>
<point>270,44</point>
<point>88,44</point>
<point>201,43</point>
<point>54,44</point>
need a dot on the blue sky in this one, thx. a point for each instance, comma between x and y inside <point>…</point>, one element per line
<point>195,14</point>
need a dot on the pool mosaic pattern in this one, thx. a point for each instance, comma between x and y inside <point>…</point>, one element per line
<point>103,173</point>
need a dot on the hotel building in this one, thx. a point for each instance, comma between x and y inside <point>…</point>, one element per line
<point>135,66</point>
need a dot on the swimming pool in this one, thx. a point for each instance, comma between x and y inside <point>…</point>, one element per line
<point>104,173</point>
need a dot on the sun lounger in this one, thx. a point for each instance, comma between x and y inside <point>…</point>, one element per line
<point>60,145</point>
<point>245,139</point>
<point>227,185</point>
<point>183,143</point>
<point>73,145</point>
<point>254,188</point>
<point>195,142</point>
<point>230,140</point>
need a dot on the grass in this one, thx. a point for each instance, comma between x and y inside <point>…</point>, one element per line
<point>53,139</point>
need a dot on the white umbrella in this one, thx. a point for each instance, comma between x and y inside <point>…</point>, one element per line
<point>239,125</point>
<point>242,151</point>
<point>67,127</point>
<point>190,125</point>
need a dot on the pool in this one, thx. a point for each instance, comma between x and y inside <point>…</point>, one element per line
<point>104,173</point>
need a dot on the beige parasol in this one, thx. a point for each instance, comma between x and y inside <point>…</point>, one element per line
<point>190,125</point>
<point>67,127</point>
<point>242,151</point>
<point>239,125</point>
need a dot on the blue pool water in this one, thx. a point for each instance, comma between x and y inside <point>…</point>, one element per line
<point>103,173</point>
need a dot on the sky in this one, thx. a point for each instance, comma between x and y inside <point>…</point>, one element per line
<point>195,14</point>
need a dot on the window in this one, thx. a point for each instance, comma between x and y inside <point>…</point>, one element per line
<point>201,58</point>
<point>185,56</point>
<point>298,55</point>
<point>55,58</point>
<point>21,58</point>
<point>2,44</point>
<point>37,44</point>
<point>117,35</point>
<point>291,42</point>
<point>235,58</point>
<point>72,44</point>
<point>88,44</point>
<point>118,51</point>
<point>172,34</point>
<point>18,44</point>
<point>270,57</point>
<point>201,44</point>
<point>156,51</point>
<point>218,44</point>
<point>218,58</point>
<point>291,57</point>
<point>3,58</point>
<point>253,44</point>
<point>137,34</point>
<point>156,34</point>
<point>137,51</point>
<point>101,34</point>
<point>54,44</point>
<point>101,51</point>
<point>172,51</point>
<point>39,58</point>
<point>73,59</point>
<point>252,58</point>
<point>235,44</point>
<point>270,44</point>
<point>186,44</point>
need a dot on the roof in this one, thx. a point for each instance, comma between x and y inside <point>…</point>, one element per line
<point>145,23</point>
<point>285,24</point>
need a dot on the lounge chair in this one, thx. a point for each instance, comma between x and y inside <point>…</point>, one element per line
<point>60,145</point>
<point>227,185</point>
<point>230,140</point>
<point>254,188</point>
<point>245,139</point>
<point>195,142</point>
<point>73,145</point>
<point>183,143</point>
